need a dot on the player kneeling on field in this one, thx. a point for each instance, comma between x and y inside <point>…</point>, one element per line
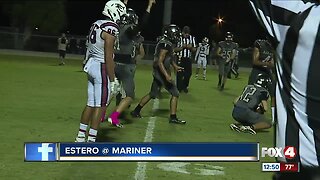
<point>250,106</point>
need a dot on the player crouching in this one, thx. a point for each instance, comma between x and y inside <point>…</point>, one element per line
<point>250,106</point>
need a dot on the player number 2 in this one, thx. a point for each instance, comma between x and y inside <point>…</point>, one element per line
<point>248,92</point>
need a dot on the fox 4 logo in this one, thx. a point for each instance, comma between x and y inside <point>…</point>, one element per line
<point>289,152</point>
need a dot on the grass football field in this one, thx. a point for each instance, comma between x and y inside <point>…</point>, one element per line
<point>42,102</point>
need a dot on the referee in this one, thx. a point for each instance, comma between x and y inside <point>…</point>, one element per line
<point>294,27</point>
<point>186,47</point>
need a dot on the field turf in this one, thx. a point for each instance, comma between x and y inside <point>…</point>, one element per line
<point>42,102</point>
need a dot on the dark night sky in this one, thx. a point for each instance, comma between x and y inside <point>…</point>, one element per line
<point>198,14</point>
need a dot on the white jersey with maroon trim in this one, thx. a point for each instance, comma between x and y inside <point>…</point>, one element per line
<point>95,42</point>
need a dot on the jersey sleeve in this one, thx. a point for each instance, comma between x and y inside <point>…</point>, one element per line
<point>110,28</point>
<point>220,44</point>
<point>194,41</point>
<point>165,46</point>
<point>264,95</point>
<point>256,44</point>
<point>207,49</point>
<point>272,14</point>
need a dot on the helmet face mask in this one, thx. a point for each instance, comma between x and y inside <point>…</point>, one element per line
<point>114,9</point>
<point>229,36</point>
<point>263,81</point>
<point>172,33</point>
<point>130,18</point>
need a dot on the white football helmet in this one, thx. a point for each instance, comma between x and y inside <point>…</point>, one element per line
<point>114,9</point>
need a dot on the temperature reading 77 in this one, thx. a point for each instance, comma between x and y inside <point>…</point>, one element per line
<point>289,166</point>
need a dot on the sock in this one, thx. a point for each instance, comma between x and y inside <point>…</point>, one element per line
<point>173,116</point>
<point>204,72</point>
<point>220,77</point>
<point>103,116</point>
<point>138,108</point>
<point>273,114</point>
<point>114,117</point>
<point>92,135</point>
<point>82,130</point>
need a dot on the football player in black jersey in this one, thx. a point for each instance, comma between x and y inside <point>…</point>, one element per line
<point>250,105</point>
<point>125,53</point>
<point>263,63</point>
<point>226,52</point>
<point>163,60</point>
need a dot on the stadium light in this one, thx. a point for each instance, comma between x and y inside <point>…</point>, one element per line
<point>220,20</point>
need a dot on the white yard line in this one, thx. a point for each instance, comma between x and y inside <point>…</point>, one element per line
<point>142,166</point>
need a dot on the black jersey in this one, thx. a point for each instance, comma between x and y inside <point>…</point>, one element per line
<point>252,96</point>
<point>265,53</point>
<point>166,45</point>
<point>227,48</point>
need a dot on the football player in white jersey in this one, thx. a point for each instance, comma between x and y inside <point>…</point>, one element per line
<point>99,66</point>
<point>201,56</point>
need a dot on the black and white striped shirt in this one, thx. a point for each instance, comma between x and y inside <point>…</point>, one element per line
<point>186,53</point>
<point>294,25</point>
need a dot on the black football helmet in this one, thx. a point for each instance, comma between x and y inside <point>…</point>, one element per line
<point>229,36</point>
<point>130,18</point>
<point>172,33</point>
<point>263,81</point>
<point>205,40</point>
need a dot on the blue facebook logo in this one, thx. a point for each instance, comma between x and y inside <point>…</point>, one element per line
<point>40,152</point>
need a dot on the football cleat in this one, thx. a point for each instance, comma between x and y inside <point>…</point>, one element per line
<point>80,139</point>
<point>247,129</point>
<point>234,127</point>
<point>221,88</point>
<point>117,124</point>
<point>177,121</point>
<point>135,114</point>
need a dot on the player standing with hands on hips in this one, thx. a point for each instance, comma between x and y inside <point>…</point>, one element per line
<point>99,67</point>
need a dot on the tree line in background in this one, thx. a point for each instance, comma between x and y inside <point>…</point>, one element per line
<point>29,16</point>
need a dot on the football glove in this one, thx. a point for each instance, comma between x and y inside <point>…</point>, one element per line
<point>260,109</point>
<point>115,86</point>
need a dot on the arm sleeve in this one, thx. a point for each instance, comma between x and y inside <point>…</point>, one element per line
<point>194,41</point>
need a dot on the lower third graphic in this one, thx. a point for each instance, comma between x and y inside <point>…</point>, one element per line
<point>40,152</point>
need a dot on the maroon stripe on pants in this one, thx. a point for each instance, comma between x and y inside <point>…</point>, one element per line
<point>104,89</point>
